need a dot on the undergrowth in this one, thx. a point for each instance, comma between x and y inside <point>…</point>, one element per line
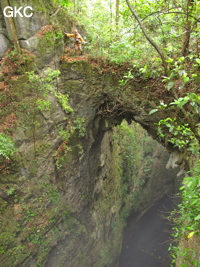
<point>187,220</point>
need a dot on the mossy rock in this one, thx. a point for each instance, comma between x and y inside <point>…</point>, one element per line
<point>50,45</point>
<point>72,86</point>
<point>76,70</point>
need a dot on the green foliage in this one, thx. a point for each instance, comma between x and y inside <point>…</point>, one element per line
<point>122,40</point>
<point>74,132</point>
<point>49,41</point>
<point>64,3</point>
<point>43,105</point>
<point>191,98</point>
<point>190,206</point>
<point>63,100</point>
<point>181,134</point>
<point>7,146</point>
<point>179,70</point>
<point>187,218</point>
<point>184,134</point>
<point>134,154</point>
<point>79,126</point>
<point>128,159</point>
<point>37,88</point>
<point>65,135</point>
<point>44,84</point>
<point>11,191</point>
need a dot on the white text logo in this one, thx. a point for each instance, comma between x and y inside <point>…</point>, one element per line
<point>21,11</point>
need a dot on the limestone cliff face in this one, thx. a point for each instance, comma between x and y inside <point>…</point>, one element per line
<point>62,197</point>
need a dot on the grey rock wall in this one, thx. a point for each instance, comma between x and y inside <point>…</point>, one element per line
<point>4,44</point>
<point>4,41</point>
<point>26,27</point>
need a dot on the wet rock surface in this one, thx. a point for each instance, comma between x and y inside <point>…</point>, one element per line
<point>148,244</point>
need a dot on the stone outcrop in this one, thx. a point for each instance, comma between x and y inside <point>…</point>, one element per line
<point>4,41</point>
<point>44,13</point>
<point>4,44</point>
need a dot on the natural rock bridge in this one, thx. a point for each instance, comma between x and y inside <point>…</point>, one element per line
<point>62,188</point>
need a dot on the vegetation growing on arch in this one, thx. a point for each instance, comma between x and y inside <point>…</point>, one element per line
<point>112,32</point>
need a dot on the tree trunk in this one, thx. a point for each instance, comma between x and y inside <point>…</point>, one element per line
<point>149,38</point>
<point>11,24</point>
<point>74,7</point>
<point>111,15</point>
<point>117,15</point>
<point>186,38</point>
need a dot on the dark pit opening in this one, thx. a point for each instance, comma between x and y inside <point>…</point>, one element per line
<point>146,241</point>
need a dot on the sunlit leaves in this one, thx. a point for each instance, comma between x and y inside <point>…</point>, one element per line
<point>186,79</point>
<point>191,98</point>
<point>197,60</point>
<point>63,2</point>
<point>170,60</point>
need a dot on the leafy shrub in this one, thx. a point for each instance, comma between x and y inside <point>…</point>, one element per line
<point>7,147</point>
<point>63,100</point>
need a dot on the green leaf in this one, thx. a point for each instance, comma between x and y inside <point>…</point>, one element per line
<point>182,86</point>
<point>197,60</point>
<point>170,85</point>
<point>197,79</point>
<point>153,111</point>
<point>197,217</point>
<point>170,60</point>
<point>186,79</point>
<point>190,235</point>
<point>171,128</point>
<point>194,75</point>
